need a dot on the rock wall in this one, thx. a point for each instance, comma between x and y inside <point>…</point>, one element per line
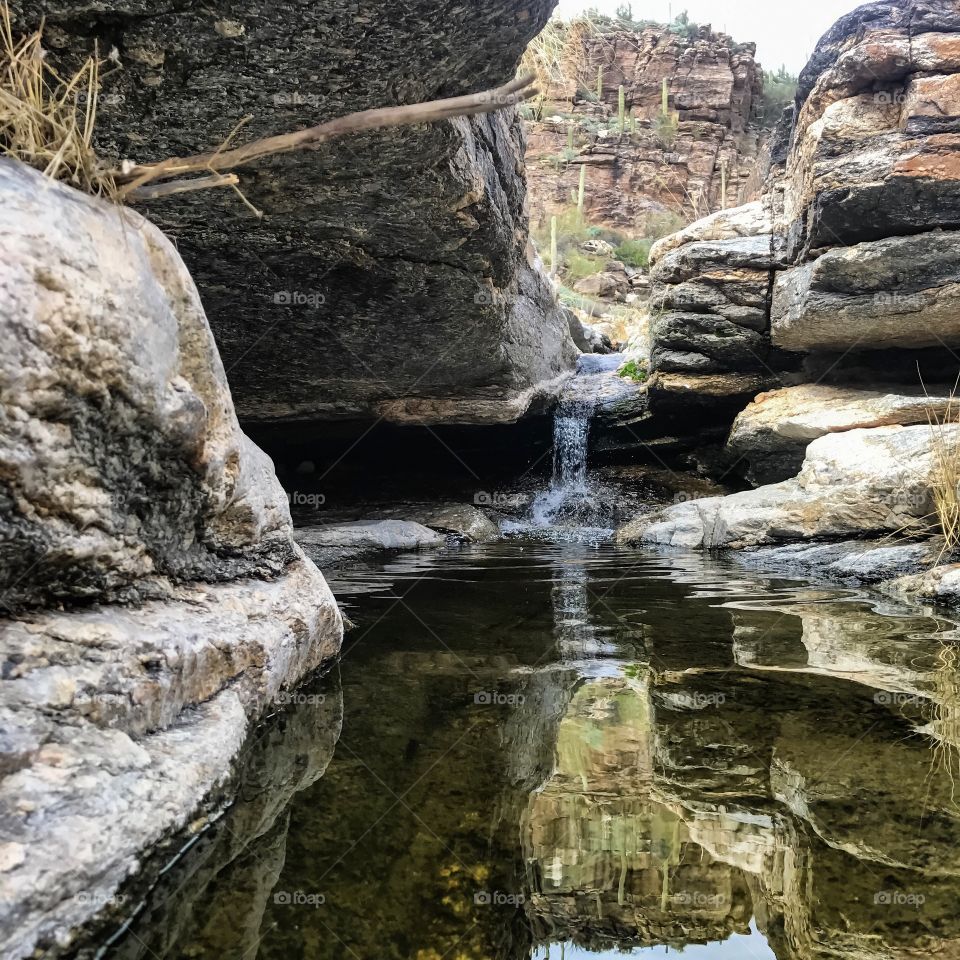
<point>154,601</point>
<point>849,267</point>
<point>854,235</point>
<point>714,85</point>
<point>390,275</point>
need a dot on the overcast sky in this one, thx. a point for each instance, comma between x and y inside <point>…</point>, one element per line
<point>785,33</point>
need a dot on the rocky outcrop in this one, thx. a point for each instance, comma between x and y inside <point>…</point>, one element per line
<point>853,484</point>
<point>124,477</point>
<point>390,275</point>
<point>772,434</point>
<point>860,204</point>
<point>710,313</point>
<point>636,175</point>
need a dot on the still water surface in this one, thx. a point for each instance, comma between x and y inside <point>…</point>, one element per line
<point>571,750</point>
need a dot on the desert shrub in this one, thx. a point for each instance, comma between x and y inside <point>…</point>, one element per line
<point>634,253</point>
<point>577,265</point>
<point>666,127</point>
<point>779,90</point>
<point>661,225</point>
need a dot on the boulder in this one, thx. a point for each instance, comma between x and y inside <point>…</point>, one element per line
<point>874,141</point>
<point>862,483</point>
<point>124,476</point>
<point>896,292</point>
<point>605,286</point>
<point>415,237</point>
<point>749,220</point>
<point>772,434</point>
<point>124,466</point>
<point>338,542</point>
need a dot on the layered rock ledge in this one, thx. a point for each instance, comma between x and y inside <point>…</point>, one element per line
<point>154,600</point>
<point>836,293</point>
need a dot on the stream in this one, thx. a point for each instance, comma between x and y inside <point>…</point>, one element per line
<point>534,749</point>
<point>552,747</point>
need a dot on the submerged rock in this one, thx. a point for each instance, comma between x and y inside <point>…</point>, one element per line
<point>337,542</point>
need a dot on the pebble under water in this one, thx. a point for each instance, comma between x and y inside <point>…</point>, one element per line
<point>538,749</point>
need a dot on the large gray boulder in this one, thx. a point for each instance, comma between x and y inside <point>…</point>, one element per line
<point>154,601</point>
<point>124,467</point>
<point>770,437</point>
<point>897,292</point>
<point>391,275</point>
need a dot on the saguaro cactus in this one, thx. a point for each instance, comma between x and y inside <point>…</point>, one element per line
<point>622,108</point>
<point>581,192</point>
<point>553,247</point>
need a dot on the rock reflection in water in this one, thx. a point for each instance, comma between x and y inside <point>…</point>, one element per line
<point>577,749</point>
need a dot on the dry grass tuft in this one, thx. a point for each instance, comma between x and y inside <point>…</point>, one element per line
<point>47,120</point>
<point>945,481</point>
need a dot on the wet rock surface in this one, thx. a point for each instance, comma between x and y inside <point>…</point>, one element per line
<point>855,484</point>
<point>391,275</point>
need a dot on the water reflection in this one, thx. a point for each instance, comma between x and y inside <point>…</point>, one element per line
<point>574,751</point>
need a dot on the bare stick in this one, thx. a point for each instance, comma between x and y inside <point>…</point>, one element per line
<point>153,191</point>
<point>489,101</point>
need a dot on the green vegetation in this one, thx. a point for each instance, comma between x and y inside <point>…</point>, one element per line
<point>779,90</point>
<point>634,253</point>
<point>635,370</point>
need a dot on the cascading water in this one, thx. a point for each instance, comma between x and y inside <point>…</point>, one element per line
<point>572,500</point>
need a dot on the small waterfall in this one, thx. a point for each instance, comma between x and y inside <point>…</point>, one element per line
<point>572,500</point>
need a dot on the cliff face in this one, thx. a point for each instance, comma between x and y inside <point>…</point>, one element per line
<point>855,248</point>
<point>714,87</point>
<point>390,275</point>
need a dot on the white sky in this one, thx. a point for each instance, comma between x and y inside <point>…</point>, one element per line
<point>784,32</point>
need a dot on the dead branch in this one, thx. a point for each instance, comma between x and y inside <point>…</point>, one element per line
<point>170,187</point>
<point>136,178</point>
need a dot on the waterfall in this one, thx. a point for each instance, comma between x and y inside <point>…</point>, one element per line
<point>571,499</point>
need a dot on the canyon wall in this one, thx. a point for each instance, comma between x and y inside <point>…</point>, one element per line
<point>647,172</point>
<point>854,252</point>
